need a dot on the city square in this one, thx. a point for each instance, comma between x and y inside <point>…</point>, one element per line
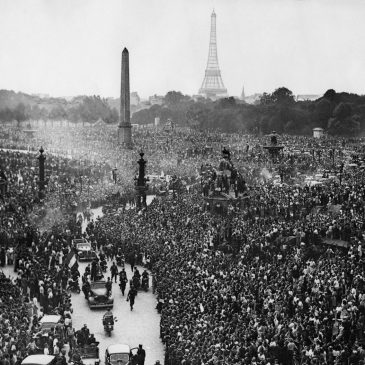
<point>186,228</point>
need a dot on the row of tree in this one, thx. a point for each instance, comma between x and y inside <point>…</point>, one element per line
<point>80,109</point>
<point>338,113</point>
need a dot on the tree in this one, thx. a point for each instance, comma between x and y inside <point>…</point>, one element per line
<point>330,95</point>
<point>227,102</point>
<point>342,111</point>
<point>92,108</point>
<point>265,99</point>
<point>112,117</point>
<point>197,114</point>
<point>58,113</point>
<point>19,113</point>
<point>322,113</point>
<point>174,97</point>
<point>282,95</point>
<point>349,126</point>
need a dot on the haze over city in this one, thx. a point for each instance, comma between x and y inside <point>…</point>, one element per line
<point>66,48</point>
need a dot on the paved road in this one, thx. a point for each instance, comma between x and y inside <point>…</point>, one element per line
<point>140,326</point>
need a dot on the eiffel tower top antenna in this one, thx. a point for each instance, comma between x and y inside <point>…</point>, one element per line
<point>212,86</point>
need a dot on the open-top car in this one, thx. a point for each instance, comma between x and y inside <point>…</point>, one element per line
<point>89,354</point>
<point>98,296</point>
<point>84,249</point>
<point>50,321</point>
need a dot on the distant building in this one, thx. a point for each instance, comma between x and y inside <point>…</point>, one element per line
<point>243,96</point>
<point>318,132</point>
<point>144,104</point>
<point>42,96</point>
<point>134,98</point>
<point>198,98</point>
<point>156,99</point>
<point>252,99</point>
<point>307,97</point>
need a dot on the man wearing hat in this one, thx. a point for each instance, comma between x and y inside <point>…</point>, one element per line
<point>141,355</point>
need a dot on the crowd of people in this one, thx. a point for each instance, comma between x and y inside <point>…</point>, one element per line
<point>277,277</point>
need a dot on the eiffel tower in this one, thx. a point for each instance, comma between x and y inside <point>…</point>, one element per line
<point>212,86</point>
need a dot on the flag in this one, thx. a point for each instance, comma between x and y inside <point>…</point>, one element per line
<point>71,260</point>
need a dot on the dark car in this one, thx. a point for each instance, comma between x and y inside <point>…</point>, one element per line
<point>98,297</point>
<point>84,249</point>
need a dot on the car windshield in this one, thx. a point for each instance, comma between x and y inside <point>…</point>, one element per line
<point>48,325</point>
<point>119,359</point>
<point>83,246</point>
<point>98,285</point>
<point>80,240</point>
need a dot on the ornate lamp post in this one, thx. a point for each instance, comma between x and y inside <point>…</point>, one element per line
<point>114,174</point>
<point>273,148</point>
<point>140,183</point>
<point>333,156</point>
<point>341,172</point>
<point>41,159</point>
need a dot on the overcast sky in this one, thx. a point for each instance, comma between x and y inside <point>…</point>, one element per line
<point>72,47</point>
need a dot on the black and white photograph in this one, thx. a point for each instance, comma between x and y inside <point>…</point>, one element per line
<point>182,182</point>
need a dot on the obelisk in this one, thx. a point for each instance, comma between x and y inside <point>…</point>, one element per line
<point>125,128</point>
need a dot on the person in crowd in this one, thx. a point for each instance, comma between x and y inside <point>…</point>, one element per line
<point>252,284</point>
<point>141,354</point>
<point>114,271</point>
<point>131,296</point>
<point>123,280</point>
<point>108,286</point>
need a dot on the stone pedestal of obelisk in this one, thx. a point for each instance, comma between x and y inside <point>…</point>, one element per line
<point>125,128</point>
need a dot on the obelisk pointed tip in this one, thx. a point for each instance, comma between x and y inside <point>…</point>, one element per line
<point>125,50</point>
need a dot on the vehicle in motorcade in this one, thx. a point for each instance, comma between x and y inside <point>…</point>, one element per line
<point>88,354</point>
<point>40,359</point>
<point>108,323</point>
<point>108,328</point>
<point>120,258</point>
<point>119,354</point>
<point>84,249</point>
<point>145,283</point>
<point>99,273</point>
<point>98,295</point>
<point>50,321</point>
